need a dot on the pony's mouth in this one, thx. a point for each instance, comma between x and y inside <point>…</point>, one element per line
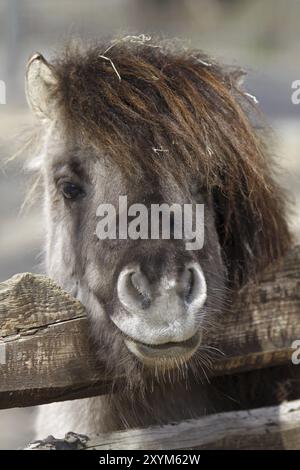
<point>167,354</point>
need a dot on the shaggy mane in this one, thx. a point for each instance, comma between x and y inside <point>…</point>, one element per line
<point>151,107</point>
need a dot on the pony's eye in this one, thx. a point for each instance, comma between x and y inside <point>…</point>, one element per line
<point>71,190</point>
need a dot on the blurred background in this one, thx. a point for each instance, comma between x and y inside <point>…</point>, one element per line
<point>263,36</point>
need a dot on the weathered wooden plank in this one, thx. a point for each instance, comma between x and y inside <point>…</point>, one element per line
<point>45,351</point>
<point>276,427</point>
<point>45,348</point>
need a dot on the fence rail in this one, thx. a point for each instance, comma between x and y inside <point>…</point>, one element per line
<point>45,353</point>
<point>276,427</point>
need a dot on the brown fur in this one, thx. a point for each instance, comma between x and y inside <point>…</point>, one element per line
<point>175,101</point>
<point>158,111</point>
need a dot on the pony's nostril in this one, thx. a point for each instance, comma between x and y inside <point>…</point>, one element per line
<point>134,290</point>
<point>194,286</point>
<point>188,284</point>
<point>141,287</point>
<point>135,279</point>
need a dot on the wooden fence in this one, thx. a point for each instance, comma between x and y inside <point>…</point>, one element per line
<point>45,356</point>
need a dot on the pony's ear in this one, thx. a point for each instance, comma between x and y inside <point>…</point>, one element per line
<point>40,86</point>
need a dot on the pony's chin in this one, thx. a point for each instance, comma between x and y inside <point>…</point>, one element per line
<point>167,355</point>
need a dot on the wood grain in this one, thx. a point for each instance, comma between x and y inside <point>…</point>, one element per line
<point>276,427</point>
<point>45,352</point>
